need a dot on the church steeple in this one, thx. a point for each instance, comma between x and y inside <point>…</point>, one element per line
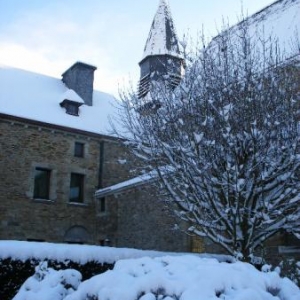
<point>162,37</point>
<point>161,57</point>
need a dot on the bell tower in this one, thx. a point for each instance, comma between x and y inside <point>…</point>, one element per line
<point>161,59</point>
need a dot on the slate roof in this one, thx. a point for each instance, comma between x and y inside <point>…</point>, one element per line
<point>162,37</point>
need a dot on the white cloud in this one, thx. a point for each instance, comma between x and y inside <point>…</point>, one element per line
<point>50,43</point>
<point>51,37</point>
<point>17,55</point>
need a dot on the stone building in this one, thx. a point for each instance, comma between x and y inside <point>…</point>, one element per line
<point>56,150</point>
<point>64,176</point>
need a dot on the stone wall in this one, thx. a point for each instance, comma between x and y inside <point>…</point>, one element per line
<point>145,221</point>
<point>281,246</point>
<point>136,219</point>
<point>23,147</point>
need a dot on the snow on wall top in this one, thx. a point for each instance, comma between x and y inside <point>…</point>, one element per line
<point>281,21</point>
<point>77,253</point>
<point>162,37</point>
<point>37,97</point>
<point>82,253</point>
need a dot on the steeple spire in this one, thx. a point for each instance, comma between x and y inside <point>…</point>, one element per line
<point>161,57</point>
<point>162,37</point>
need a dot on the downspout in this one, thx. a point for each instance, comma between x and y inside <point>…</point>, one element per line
<point>100,171</point>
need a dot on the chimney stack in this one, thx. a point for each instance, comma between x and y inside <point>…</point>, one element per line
<point>80,78</point>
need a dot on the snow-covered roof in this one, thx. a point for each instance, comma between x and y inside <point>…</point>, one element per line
<point>127,184</point>
<point>72,96</point>
<point>281,17</point>
<point>280,21</point>
<point>37,97</point>
<point>162,37</point>
<point>146,178</point>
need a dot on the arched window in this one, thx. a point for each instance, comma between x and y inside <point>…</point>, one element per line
<point>77,235</point>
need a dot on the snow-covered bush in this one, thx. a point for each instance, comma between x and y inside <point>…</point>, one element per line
<point>18,261</point>
<point>49,284</point>
<point>14,271</point>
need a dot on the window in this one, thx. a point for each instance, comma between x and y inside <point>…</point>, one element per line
<point>102,205</point>
<point>72,107</point>
<point>105,242</point>
<point>76,188</point>
<point>79,149</point>
<point>77,235</point>
<point>197,244</point>
<point>41,183</point>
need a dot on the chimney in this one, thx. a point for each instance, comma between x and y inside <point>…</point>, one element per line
<point>80,78</point>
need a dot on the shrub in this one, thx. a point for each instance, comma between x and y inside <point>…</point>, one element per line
<point>14,272</point>
<point>290,268</point>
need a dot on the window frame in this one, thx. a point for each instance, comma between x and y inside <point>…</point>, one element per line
<point>36,193</point>
<point>103,205</point>
<point>80,198</point>
<point>71,107</point>
<point>79,152</point>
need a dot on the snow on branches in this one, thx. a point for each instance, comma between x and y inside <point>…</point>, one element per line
<point>229,132</point>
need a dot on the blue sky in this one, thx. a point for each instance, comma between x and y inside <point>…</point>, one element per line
<point>49,36</point>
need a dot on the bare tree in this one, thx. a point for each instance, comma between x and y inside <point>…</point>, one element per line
<point>225,141</point>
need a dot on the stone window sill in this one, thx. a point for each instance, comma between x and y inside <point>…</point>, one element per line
<point>46,201</point>
<point>103,214</point>
<point>288,249</point>
<point>78,204</point>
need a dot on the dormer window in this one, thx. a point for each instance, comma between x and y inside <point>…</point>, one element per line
<point>71,102</point>
<point>72,107</point>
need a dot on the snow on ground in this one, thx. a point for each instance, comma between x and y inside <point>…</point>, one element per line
<point>144,275</point>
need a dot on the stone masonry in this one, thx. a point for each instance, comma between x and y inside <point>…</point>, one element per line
<point>24,147</point>
<point>135,219</point>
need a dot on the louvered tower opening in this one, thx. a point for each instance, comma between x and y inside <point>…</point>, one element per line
<point>162,60</point>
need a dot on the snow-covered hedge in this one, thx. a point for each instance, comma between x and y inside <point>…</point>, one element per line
<point>184,277</point>
<point>18,261</point>
<point>13,272</point>
<point>57,272</point>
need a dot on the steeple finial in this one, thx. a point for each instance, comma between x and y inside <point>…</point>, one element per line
<point>162,37</point>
